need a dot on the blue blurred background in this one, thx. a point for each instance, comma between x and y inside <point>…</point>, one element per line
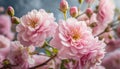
<point>23,6</point>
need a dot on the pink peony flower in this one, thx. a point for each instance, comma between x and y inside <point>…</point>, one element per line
<point>18,56</point>
<point>105,11</point>
<point>4,48</point>
<point>74,40</point>
<point>22,58</point>
<point>112,60</point>
<point>5,26</point>
<point>35,27</point>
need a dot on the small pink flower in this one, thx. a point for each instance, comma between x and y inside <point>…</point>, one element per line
<point>35,27</point>
<point>4,48</point>
<point>105,11</point>
<point>112,60</point>
<point>107,36</point>
<point>113,45</point>
<point>5,26</point>
<point>74,40</point>
<point>18,56</point>
<point>4,45</point>
<point>73,11</point>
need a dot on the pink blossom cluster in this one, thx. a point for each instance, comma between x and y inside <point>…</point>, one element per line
<point>74,40</point>
<point>5,26</point>
<point>35,27</point>
<point>84,40</point>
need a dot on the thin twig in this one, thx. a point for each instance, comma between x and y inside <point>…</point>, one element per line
<point>80,14</point>
<point>43,63</point>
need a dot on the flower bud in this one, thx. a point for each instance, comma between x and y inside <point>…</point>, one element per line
<point>63,6</point>
<point>10,11</point>
<point>74,11</point>
<point>15,20</point>
<point>80,1</point>
<point>89,12</point>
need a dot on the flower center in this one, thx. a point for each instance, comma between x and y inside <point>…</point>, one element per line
<point>76,34</point>
<point>33,22</point>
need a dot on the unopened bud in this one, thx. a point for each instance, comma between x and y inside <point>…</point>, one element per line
<point>10,11</point>
<point>80,1</point>
<point>63,6</point>
<point>15,20</point>
<point>74,11</point>
<point>89,12</point>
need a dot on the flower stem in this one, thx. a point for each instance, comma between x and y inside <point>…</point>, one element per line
<point>80,14</point>
<point>65,16</point>
<point>44,62</point>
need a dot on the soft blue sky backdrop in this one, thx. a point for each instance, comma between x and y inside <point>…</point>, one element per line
<point>23,6</point>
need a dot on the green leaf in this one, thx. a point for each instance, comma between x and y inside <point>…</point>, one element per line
<point>62,66</point>
<point>65,61</point>
<point>55,50</point>
<point>48,53</point>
